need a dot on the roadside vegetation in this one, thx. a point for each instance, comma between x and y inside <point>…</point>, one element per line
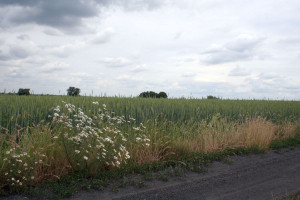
<point>73,143</point>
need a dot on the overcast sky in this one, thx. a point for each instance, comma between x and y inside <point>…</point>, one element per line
<point>226,48</point>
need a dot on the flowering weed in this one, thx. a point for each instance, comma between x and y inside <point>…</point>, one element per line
<point>73,141</point>
<point>96,142</point>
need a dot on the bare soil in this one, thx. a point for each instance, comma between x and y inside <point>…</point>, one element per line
<point>256,176</point>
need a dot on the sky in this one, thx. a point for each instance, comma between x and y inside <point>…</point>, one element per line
<point>233,49</point>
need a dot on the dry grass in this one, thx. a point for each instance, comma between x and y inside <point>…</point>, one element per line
<point>158,150</point>
<point>255,132</point>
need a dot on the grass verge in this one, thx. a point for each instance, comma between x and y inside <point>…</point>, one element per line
<point>68,185</point>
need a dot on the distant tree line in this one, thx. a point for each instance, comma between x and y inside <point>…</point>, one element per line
<point>72,91</point>
<point>151,94</point>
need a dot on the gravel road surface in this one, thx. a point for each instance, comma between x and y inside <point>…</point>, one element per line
<point>260,176</point>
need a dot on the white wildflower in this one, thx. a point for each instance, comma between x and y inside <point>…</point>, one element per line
<point>77,151</point>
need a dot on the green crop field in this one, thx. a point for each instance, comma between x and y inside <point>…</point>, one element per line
<point>28,110</point>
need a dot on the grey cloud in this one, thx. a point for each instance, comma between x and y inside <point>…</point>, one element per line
<point>15,52</point>
<point>66,15</point>
<point>242,48</point>
<point>243,44</point>
<point>16,73</point>
<point>290,40</point>
<point>103,36</point>
<point>23,37</point>
<point>17,2</point>
<point>264,76</point>
<point>52,32</point>
<point>271,85</point>
<point>139,4</point>
<point>1,42</point>
<point>4,56</point>
<point>225,56</point>
<point>19,52</point>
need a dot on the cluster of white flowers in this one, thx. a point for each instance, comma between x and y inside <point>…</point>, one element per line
<point>100,138</point>
<point>96,137</point>
<point>19,172</point>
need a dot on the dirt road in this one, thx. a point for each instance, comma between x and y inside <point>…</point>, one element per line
<point>261,176</point>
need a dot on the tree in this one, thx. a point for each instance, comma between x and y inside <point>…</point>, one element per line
<point>72,91</point>
<point>23,91</point>
<point>212,97</point>
<point>162,95</point>
<point>151,94</point>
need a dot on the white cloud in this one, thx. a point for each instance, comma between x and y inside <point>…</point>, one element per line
<point>67,49</point>
<point>139,68</point>
<point>54,67</point>
<point>115,62</point>
<point>239,71</point>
